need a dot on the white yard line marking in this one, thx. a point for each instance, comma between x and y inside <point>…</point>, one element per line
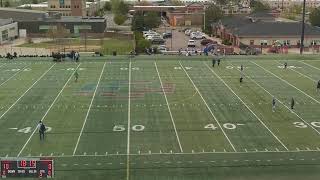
<point>178,153</point>
<point>247,107</point>
<point>168,105</point>
<point>309,65</point>
<point>85,120</point>
<point>45,115</point>
<point>300,73</point>
<point>225,134</point>
<point>129,123</point>
<point>283,104</point>
<point>12,76</point>
<point>26,91</point>
<point>286,82</point>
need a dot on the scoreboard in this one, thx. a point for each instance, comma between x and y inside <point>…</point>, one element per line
<point>27,168</point>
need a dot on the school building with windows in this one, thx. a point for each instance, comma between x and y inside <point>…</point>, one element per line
<point>8,30</point>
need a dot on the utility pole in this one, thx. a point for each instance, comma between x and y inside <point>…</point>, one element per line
<point>204,18</point>
<point>85,41</point>
<point>303,26</point>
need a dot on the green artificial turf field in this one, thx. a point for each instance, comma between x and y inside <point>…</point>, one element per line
<point>164,118</point>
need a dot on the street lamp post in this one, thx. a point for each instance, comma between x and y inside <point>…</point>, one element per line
<point>303,26</point>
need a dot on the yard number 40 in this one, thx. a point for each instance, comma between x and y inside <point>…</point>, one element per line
<point>122,128</point>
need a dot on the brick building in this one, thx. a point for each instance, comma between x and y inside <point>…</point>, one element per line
<point>68,7</point>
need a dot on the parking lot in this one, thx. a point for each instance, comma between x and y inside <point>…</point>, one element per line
<point>179,40</point>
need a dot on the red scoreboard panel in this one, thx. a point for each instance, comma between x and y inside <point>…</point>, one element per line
<point>27,168</point>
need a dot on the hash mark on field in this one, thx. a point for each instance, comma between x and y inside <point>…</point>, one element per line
<point>247,107</point>
<point>165,96</point>
<point>85,120</point>
<point>209,108</point>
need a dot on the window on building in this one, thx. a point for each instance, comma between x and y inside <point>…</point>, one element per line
<point>5,35</point>
<point>251,42</point>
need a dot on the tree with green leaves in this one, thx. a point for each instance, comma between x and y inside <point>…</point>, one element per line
<point>145,21</point>
<point>138,22</point>
<point>119,19</point>
<point>7,4</point>
<point>107,6</point>
<point>177,3</point>
<point>213,13</point>
<point>258,6</point>
<point>314,17</point>
<point>119,7</point>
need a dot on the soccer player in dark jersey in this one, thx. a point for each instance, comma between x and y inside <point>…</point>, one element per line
<point>285,65</point>
<point>241,67</point>
<point>318,86</point>
<point>292,103</point>
<point>213,62</point>
<point>42,129</point>
<point>273,104</point>
<point>241,78</point>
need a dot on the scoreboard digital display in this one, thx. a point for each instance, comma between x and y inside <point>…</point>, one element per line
<point>27,168</point>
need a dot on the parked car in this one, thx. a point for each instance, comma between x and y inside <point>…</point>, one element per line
<point>167,35</point>
<point>191,43</point>
<point>187,32</point>
<point>149,33</point>
<point>162,48</point>
<point>151,37</point>
<point>197,35</point>
<point>158,41</point>
<point>204,42</point>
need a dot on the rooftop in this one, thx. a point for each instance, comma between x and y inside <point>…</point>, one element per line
<point>5,21</point>
<point>245,26</point>
<point>78,19</point>
<point>21,10</point>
